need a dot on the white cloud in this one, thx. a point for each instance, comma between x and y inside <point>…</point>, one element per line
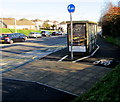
<point>39,1</point>
<point>4,12</point>
<point>56,10</point>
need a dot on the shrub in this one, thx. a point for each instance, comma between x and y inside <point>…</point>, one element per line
<point>111,22</point>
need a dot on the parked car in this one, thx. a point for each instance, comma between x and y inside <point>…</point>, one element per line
<point>14,37</point>
<point>0,38</point>
<point>60,33</point>
<point>34,34</point>
<point>21,35</point>
<point>54,33</point>
<point>45,33</point>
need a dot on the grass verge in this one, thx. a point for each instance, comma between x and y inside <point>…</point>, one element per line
<point>26,32</point>
<point>106,90</point>
<point>115,41</point>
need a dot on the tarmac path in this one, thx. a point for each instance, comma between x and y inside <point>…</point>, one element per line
<point>107,51</point>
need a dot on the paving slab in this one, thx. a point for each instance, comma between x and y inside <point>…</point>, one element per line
<point>75,78</point>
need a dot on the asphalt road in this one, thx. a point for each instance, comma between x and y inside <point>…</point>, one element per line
<point>20,53</point>
<point>23,91</point>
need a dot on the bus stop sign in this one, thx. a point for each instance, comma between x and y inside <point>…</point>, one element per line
<point>71,8</point>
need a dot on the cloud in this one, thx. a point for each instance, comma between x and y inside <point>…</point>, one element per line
<point>29,1</point>
<point>4,12</point>
<point>56,9</point>
<point>51,1</point>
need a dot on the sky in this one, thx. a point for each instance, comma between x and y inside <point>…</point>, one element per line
<point>52,9</point>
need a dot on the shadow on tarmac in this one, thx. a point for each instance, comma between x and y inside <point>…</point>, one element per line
<point>23,91</point>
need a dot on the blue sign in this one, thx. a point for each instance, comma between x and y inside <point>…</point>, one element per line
<point>71,8</point>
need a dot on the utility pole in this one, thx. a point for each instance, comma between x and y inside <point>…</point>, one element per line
<point>2,24</point>
<point>15,26</point>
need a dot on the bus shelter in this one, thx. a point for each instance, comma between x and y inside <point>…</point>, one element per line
<point>84,37</point>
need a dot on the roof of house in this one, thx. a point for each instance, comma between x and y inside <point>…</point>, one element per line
<point>36,20</point>
<point>27,22</point>
<point>11,21</point>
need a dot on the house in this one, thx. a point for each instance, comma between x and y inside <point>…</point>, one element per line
<point>12,23</point>
<point>42,24</point>
<point>38,23</point>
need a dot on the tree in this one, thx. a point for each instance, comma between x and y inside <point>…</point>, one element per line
<point>47,21</point>
<point>63,22</point>
<point>24,19</point>
<point>46,25</point>
<point>53,26</point>
<point>111,21</point>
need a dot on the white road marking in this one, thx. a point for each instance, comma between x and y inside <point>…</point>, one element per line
<point>63,58</point>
